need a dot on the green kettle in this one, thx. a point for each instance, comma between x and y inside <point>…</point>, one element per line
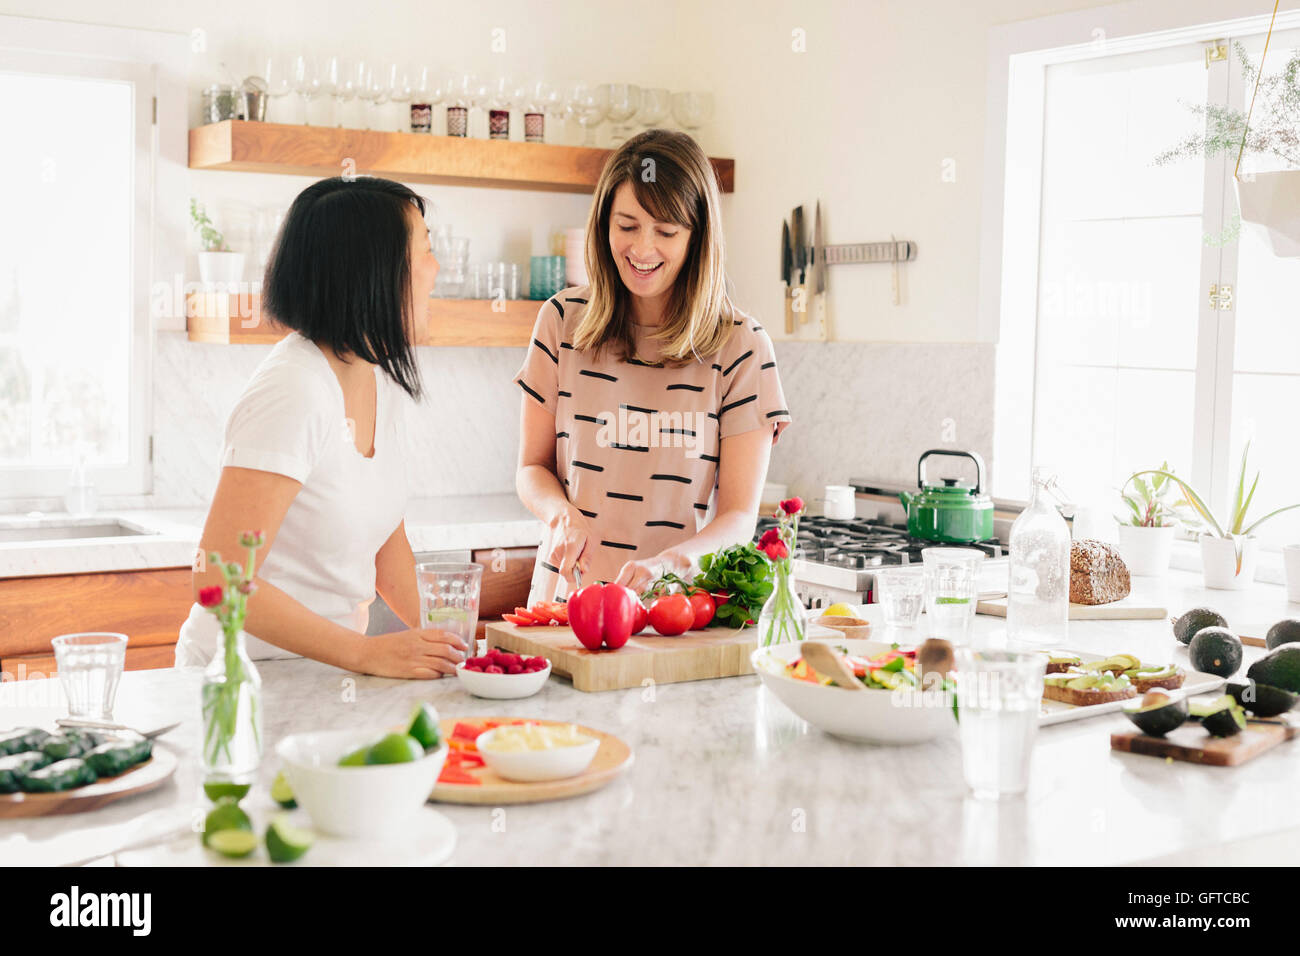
<point>950,511</point>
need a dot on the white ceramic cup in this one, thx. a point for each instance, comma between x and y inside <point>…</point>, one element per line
<point>1291,562</point>
<point>839,503</point>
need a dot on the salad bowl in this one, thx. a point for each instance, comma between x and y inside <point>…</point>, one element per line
<point>871,715</point>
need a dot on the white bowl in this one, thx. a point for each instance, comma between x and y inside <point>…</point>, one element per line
<point>372,801</point>
<point>503,686</point>
<point>871,716</point>
<point>530,766</point>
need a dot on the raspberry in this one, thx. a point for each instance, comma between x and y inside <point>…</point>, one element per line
<point>509,660</point>
<point>493,669</point>
<point>538,663</point>
<point>515,669</point>
<point>474,667</point>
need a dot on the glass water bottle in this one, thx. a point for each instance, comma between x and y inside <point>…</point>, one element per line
<point>1038,592</point>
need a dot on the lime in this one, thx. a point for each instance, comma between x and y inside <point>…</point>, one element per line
<point>286,843</point>
<point>442,616</point>
<point>424,726</point>
<point>226,815</point>
<point>214,790</point>
<point>395,748</point>
<point>355,759</point>
<point>233,843</point>
<point>282,793</point>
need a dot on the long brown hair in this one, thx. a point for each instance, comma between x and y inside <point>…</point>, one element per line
<point>674,182</point>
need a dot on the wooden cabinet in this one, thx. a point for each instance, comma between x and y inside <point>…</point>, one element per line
<point>147,606</point>
<point>507,575</point>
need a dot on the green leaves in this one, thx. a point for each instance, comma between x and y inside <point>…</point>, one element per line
<point>1148,502</point>
<point>745,574</point>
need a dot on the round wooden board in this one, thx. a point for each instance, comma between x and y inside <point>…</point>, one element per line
<point>152,773</point>
<point>612,758</point>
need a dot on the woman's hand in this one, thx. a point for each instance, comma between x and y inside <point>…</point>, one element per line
<point>569,534</point>
<point>639,575</point>
<point>421,654</point>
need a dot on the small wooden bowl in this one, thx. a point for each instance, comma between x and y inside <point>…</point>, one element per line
<point>850,627</point>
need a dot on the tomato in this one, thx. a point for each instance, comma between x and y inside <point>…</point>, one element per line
<point>641,619</point>
<point>704,609</point>
<point>672,614</point>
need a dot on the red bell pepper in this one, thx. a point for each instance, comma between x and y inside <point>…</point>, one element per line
<point>603,613</point>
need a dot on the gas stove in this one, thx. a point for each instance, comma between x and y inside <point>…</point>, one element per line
<point>837,560</point>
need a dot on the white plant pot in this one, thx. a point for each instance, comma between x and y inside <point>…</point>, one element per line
<point>1270,204</point>
<point>1219,561</point>
<point>1146,550</point>
<point>221,270</point>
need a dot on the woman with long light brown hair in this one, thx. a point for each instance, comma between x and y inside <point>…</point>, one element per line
<point>650,402</point>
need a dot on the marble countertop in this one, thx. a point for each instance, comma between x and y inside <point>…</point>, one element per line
<point>725,774</point>
<point>432,524</point>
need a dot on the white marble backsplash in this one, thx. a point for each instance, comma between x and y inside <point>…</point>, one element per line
<point>860,410</point>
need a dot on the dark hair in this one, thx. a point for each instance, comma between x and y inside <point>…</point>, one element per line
<point>340,273</point>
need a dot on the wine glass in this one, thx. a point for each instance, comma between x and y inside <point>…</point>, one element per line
<point>279,78</point>
<point>331,74</point>
<point>399,93</point>
<point>693,110</point>
<point>655,104</point>
<point>624,100</point>
<point>306,82</point>
<point>343,81</point>
<point>587,105</point>
<point>539,99</point>
<point>502,94</point>
<point>426,92</point>
<point>374,90</point>
<point>464,93</point>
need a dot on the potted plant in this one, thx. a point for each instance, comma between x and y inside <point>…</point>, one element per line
<point>1228,551</point>
<point>1269,201</point>
<point>1146,531</point>
<point>218,266</point>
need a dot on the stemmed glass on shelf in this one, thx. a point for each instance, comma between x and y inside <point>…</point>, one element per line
<point>465,93</point>
<point>502,95</point>
<point>587,105</point>
<point>277,71</point>
<point>623,101</point>
<point>655,104</point>
<point>427,89</point>
<point>374,91</point>
<point>539,100</point>
<point>399,93</point>
<point>692,110</point>
<point>306,82</point>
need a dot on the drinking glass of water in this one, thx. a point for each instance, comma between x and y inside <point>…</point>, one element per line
<point>901,592</point>
<point>90,666</point>
<point>951,591</point>
<point>449,594</point>
<point>999,695</point>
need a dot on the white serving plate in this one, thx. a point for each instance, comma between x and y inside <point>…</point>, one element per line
<point>1059,712</point>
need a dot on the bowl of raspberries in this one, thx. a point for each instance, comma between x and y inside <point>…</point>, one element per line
<point>502,675</point>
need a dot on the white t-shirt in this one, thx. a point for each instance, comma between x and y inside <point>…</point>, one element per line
<point>290,420</point>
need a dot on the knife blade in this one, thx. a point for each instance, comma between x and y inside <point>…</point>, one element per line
<point>787,266</point>
<point>800,240</point>
<point>818,266</point>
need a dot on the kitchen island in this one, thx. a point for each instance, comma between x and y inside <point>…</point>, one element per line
<point>725,774</point>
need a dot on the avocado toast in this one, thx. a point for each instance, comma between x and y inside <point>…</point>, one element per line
<point>1143,677</point>
<point>1085,688</point>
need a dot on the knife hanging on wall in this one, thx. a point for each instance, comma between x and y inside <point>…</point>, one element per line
<point>799,238</point>
<point>818,280</point>
<point>787,265</point>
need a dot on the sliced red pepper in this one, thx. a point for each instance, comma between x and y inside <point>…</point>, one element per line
<point>463,731</point>
<point>456,775</point>
<point>520,621</point>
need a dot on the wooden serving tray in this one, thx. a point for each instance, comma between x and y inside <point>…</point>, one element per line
<point>144,776</point>
<point>1190,742</point>
<point>613,757</point>
<point>648,657</point>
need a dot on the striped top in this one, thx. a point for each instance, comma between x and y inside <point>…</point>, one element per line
<point>637,443</point>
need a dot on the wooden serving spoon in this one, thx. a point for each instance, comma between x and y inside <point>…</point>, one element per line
<point>826,662</point>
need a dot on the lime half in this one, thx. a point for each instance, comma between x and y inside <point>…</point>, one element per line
<point>286,843</point>
<point>282,793</point>
<point>214,790</point>
<point>395,748</point>
<point>424,726</point>
<point>233,843</point>
<point>226,815</point>
<point>355,759</point>
<point>442,616</point>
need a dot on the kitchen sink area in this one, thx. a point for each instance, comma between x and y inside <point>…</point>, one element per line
<point>31,530</point>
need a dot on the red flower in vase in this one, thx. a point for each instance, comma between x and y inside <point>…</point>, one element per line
<point>776,550</point>
<point>770,535</point>
<point>792,506</point>
<point>212,596</point>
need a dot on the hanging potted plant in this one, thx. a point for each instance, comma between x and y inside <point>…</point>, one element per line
<point>1270,130</point>
<point>218,266</point>
<point>1228,551</point>
<point>1146,531</point>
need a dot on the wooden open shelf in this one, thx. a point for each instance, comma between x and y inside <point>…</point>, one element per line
<point>412,157</point>
<point>237,319</point>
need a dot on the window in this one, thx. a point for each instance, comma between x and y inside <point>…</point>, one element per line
<point>74,271</point>
<point>1113,353</point>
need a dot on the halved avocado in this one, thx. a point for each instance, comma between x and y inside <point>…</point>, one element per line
<point>1263,700</point>
<point>1279,668</point>
<point>1186,625</point>
<point>1224,718</point>
<point>1283,632</point>
<point>1158,713</point>
<point>1216,650</point>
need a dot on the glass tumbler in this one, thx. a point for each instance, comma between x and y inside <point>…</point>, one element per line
<point>951,591</point>
<point>900,593</point>
<point>999,695</point>
<point>90,666</point>
<point>449,595</point>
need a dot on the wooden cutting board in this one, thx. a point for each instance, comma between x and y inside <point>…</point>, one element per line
<point>613,757</point>
<point>1125,609</point>
<point>695,655</point>
<point>1190,742</point>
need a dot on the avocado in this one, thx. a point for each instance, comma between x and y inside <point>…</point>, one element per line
<point>1263,700</point>
<point>1158,713</point>
<point>1224,718</point>
<point>1283,632</point>
<point>1280,668</point>
<point>1186,626</point>
<point>1216,650</point>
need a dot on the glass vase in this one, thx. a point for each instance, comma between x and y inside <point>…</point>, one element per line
<point>781,619</point>
<point>232,714</point>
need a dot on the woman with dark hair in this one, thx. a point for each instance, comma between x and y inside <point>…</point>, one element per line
<point>312,455</point>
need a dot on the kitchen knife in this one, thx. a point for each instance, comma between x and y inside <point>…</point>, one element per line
<point>818,281</point>
<point>787,266</point>
<point>800,260</point>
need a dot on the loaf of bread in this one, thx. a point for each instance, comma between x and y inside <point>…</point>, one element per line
<point>1097,573</point>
